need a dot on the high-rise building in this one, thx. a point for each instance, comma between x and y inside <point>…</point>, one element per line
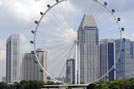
<point>88,37</point>
<point>31,70</point>
<point>125,58</point>
<point>70,70</point>
<point>107,59</point>
<point>12,58</point>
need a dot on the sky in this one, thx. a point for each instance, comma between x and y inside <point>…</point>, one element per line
<point>17,17</point>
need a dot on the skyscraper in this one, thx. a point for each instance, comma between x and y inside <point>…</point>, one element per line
<point>125,58</point>
<point>31,70</point>
<point>107,59</point>
<point>12,58</point>
<point>70,70</point>
<point>89,49</point>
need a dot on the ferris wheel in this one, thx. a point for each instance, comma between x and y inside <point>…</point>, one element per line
<point>58,31</point>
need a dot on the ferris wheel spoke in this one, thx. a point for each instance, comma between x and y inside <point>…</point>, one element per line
<point>73,56</point>
<point>106,24</point>
<point>57,31</point>
<point>109,33</point>
<point>58,37</point>
<point>98,12</point>
<point>95,10</point>
<point>86,6</point>
<point>51,28</point>
<point>66,16</point>
<point>66,20</point>
<point>104,20</point>
<point>108,30</point>
<point>62,58</point>
<point>92,7</point>
<point>63,69</point>
<point>61,48</point>
<point>69,13</point>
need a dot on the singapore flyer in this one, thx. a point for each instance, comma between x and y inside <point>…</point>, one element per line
<point>78,35</point>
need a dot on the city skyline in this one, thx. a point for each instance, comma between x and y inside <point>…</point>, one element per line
<point>21,25</point>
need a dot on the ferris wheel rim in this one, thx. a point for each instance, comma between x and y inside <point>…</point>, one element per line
<point>43,15</point>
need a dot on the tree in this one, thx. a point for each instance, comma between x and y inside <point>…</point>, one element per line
<point>114,84</point>
<point>92,86</point>
<point>3,85</point>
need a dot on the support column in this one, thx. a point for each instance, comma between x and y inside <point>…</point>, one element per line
<point>77,63</point>
<point>76,58</point>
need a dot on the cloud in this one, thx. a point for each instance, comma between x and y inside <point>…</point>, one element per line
<point>2,50</point>
<point>70,34</point>
<point>129,36</point>
<point>1,3</point>
<point>24,44</point>
<point>122,6</point>
<point>2,55</point>
<point>2,44</point>
<point>24,9</point>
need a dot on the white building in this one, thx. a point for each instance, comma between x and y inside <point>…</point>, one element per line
<point>12,58</point>
<point>89,49</point>
<point>31,70</point>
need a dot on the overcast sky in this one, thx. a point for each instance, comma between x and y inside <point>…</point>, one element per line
<point>17,17</point>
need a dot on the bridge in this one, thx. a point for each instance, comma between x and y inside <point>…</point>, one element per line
<point>66,86</point>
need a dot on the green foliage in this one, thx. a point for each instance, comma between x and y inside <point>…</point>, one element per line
<point>102,85</point>
<point>116,84</point>
<point>3,85</point>
<point>50,83</point>
<point>23,85</point>
<point>92,86</point>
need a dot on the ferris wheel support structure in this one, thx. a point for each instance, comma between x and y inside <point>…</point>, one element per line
<point>77,54</point>
<point>77,62</point>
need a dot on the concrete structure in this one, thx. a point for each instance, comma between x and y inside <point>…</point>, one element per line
<point>125,61</point>
<point>107,59</point>
<point>12,58</point>
<point>70,70</point>
<point>66,86</point>
<point>89,49</point>
<point>30,67</point>
<point>4,79</point>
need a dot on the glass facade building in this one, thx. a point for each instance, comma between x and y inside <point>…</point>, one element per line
<point>125,60</point>
<point>12,59</point>
<point>70,70</point>
<point>89,49</point>
<point>107,59</point>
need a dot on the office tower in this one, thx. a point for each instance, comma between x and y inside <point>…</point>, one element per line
<point>31,70</point>
<point>107,59</point>
<point>70,70</point>
<point>12,58</point>
<point>125,58</point>
<point>89,49</point>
